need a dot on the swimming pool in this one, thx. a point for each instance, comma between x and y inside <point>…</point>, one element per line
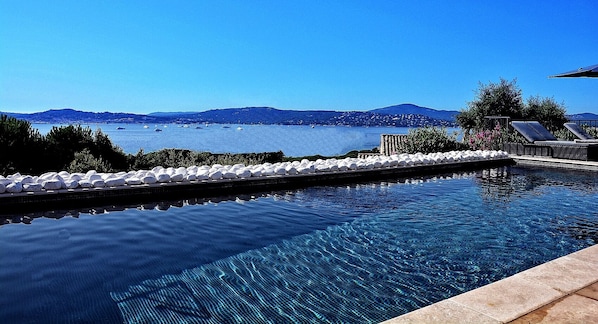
<point>359,253</point>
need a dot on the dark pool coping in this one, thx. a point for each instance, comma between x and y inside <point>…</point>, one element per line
<point>85,197</point>
<point>541,161</point>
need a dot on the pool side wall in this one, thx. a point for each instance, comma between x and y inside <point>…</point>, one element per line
<point>83,197</point>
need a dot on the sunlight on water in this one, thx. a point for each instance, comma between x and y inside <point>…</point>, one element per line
<point>215,138</point>
<point>358,253</point>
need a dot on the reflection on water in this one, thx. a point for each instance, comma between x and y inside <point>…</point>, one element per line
<point>498,185</point>
<point>353,253</point>
<point>489,176</point>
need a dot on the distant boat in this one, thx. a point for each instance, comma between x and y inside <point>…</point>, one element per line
<point>145,126</point>
<point>185,126</point>
<point>158,130</point>
<point>198,127</point>
<point>225,126</point>
<point>239,128</point>
<point>119,128</point>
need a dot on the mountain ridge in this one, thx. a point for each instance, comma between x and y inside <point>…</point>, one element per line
<point>412,116</point>
<point>402,115</point>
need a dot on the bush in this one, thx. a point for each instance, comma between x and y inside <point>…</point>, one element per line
<point>185,158</point>
<point>20,145</point>
<point>85,161</point>
<point>546,111</point>
<point>64,142</point>
<point>430,140</point>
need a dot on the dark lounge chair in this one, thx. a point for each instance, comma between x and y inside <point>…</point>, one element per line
<point>581,133</point>
<point>544,143</point>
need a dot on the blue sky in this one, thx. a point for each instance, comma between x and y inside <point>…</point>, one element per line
<point>146,56</point>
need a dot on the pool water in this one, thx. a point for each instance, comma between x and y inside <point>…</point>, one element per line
<point>361,253</point>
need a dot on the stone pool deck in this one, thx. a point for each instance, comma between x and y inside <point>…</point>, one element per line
<point>564,290</point>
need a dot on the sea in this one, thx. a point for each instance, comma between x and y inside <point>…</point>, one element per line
<point>292,140</point>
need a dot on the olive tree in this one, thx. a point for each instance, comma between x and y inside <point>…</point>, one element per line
<point>493,99</point>
<point>547,111</point>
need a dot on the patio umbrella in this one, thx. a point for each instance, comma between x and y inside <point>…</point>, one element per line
<point>589,71</point>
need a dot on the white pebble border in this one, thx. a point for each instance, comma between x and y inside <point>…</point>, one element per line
<point>18,183</point>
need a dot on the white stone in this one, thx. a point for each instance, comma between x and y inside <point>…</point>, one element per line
<point>98,183</point>
<point>32,187</point>
<point>163,177</point>
<point>216,175</point>
<point>85,183</point>
<point>177,177</point>
<point>132,181</point>
<point>14,187</point>
<point>115,182</point>
<point>71,184</point>
<point>149,179</point>
<point>243,173</point>
<point>52,184</point>
<point>229,174</point>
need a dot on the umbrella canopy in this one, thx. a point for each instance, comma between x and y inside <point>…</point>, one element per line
<point>589,71</point>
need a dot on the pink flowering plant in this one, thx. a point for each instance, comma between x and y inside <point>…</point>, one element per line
<point>488,139</point>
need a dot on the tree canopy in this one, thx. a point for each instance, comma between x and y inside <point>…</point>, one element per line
<point>505,99</point>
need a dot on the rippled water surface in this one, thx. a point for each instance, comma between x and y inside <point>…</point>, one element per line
<point>359,253</point>
<point>216,138</point>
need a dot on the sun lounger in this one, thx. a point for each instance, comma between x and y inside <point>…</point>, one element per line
<point>544,143</point>
<point>581,133</point>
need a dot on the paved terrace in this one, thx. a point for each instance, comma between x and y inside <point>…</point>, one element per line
<point>564,290</point>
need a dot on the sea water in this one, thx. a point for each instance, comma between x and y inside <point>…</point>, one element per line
<point>219,138</point>
<point>358,253</point>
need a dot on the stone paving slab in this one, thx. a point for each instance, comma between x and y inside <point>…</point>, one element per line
<point>590,291</point>
<point>444,312</point>
<point>508,299</point>
<point>572,309</point>
<point>578,274</point>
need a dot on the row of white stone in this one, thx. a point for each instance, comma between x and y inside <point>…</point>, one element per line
<point>63,180</point>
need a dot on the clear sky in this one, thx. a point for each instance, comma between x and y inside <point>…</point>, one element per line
<point>146,56</point>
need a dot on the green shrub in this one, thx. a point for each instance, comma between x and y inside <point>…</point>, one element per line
<point>185,158</point>
<point>64,142</point>
<point>84,161</point>
<point>564,134</point>
<point>546,111</point>
<point>430,140</point>
<point>20,145</point>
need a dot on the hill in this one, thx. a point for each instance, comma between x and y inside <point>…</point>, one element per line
<point>406,109</point>
<point>407,115</point>
<point>583,116</point>
<point>68,116</point>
